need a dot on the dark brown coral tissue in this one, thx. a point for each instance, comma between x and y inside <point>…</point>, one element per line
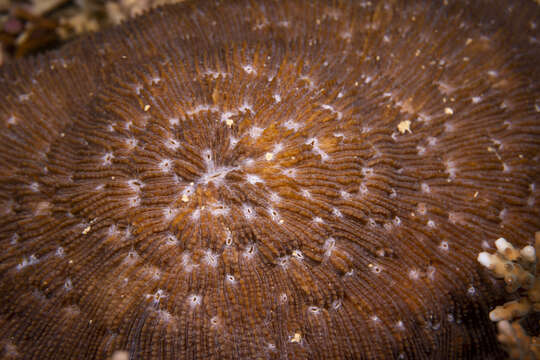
<point>269,180</point>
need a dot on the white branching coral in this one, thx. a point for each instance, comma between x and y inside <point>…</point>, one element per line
<point>519,270</point>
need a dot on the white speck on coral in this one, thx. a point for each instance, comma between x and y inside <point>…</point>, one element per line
<point>12,120</point>
<point>131,258</point>
<point>165,165</point>
<point>336,212</point>
<point>194,300</point>
<point>298,254</point>
<point>274,197</point>
<point>432,141</point>
<point>314,310</point>
<point>211,258</point>
<point>345,195</point>
<point>230,279</point>
<point>249,252</point>
<point>23,97</point>
<point>253,179</point>
<point>201,108</point>
<point>169,213</point>
<point>186,262</point>
<point>346,35</point>
<point>255,132</point>
<point>451,169</point>
<point>34,187</point>
<point>367,172</point>
<point>249,69</point>
<point>219,209</point>
<point>196,214</point>
<point>135,185</point>
<point>414,274</point>
<point>308,80</point>
<point>329,246</point>
<point>363,189</point>
<point>290,173</point>
<point>68,285</point>
<point>226,118</point>
<point>502,213</point>
<point>172,144</point>
<point>291,125</point>
<point>228,238</point>
<point>404,126</point>
<point>283,262</point>
<point>134,201</point>
<point>60,252</point>
<point>232,142</point>
<point>316,149</point>
<point>283,23</point>
<point>430,272</point>
<point>332,110</point>
<point>214,321</point>
<point>171,240</point>
<point>31,260</point>
<point>273,214</point>
<point>336,304</point>
<point>131,143</point>
<point>164,316</point>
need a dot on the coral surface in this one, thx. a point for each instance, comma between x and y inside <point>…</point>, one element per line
<point>269,179</point>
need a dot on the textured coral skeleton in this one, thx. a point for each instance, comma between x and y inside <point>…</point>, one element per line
<point>269,179</point>
<point>519,269</point>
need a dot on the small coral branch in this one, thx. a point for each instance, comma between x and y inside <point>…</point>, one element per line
<point>520,272</point>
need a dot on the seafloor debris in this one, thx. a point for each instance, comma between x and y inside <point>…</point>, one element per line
<point>119,10</point>
<point>29,27</point>
<point>520,272</point>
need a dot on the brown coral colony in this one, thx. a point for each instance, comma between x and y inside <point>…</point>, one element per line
<point>269,179</point>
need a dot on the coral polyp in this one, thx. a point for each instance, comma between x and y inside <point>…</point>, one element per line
<point>268,179</point>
